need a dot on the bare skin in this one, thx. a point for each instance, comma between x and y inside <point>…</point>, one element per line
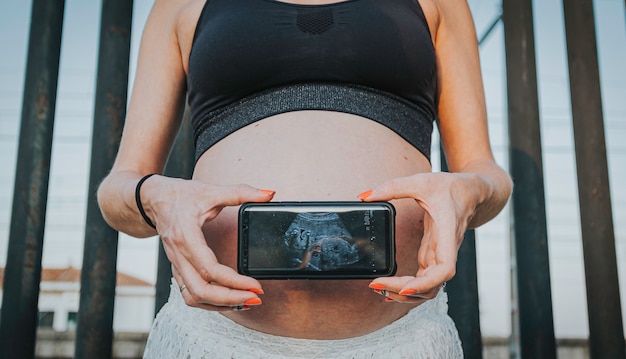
<point>300,169</point>
<point>313,155</point>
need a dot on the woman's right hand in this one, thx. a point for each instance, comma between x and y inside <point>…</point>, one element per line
<point>179,208</point>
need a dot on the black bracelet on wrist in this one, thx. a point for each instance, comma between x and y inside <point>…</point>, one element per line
<point>138,200</point>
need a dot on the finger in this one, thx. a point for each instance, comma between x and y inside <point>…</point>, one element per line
<point>188,298</point>
<point>427,284</point>
<point>200,293</point>
<point>392,295</point>
<point>229,278</point>
<point>228,297</point>
<point>389,287</point>
<point>390,284</point>
<point>213,308</point>
<point>178,279</point>
<point>216,292</point>
<point>239,194</point>
<point>395,188</point>
<point>206,265</point>
<point>407,296</point>
<point>197,268</point>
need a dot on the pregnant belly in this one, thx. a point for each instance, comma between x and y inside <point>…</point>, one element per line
<point>315,156</point>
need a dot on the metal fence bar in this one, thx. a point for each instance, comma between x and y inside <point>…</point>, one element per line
<point>536,327</point>
<point>163,280</point>
<point>606,332</point>
<point>179,164</point>
<point>18,324</point>
<point>94,337</point>
<point>462,292</point>
<point>463,298</point>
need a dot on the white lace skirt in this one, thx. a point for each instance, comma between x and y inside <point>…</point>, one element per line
<point>180,331</point>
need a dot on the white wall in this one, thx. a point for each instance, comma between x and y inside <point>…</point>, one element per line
<point>134,306</point>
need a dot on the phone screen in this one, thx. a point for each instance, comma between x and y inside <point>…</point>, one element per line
<point>283,240</point>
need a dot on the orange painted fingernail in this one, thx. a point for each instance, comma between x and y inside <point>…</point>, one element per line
<point>253,301</point>
<point>256,291</point>
<point>365,194</point>
<point>407,292</point>
<point>376,286</point>
<point>267,192</point>
<point>389,300</point>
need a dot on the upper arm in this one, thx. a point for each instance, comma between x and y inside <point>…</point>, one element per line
<point>462,109</point>
<point>157,99</point>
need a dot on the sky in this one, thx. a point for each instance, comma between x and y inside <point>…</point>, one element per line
<point>69,174</point>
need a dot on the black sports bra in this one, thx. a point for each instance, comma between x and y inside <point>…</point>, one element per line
<point>251,59</point>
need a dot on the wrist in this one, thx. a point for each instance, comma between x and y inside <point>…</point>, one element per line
<point>490,192</point>
<point>140,203</point>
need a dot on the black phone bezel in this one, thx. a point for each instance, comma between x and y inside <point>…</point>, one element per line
<point>390,249</point>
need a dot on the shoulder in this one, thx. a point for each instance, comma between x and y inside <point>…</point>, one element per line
<point>173,15</point>
<point>174,22</point>
<point>187,13</point>
<point>445,16</point>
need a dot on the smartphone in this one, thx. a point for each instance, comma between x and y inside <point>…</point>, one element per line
<point>317,240</point>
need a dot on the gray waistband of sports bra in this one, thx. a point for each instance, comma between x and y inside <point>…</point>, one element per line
<point>394,112</point>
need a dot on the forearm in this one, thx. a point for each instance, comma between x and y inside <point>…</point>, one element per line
<point>116,198</point>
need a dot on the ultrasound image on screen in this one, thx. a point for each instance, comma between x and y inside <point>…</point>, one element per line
<point>318,241</point>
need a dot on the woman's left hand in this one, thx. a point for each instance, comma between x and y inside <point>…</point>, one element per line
<point>449,201</point>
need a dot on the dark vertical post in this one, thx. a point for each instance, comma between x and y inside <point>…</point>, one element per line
<point>463,293</point>
<point>164,275</point>
<point>94,337</point>
<point>179,164</point>
<point>606,332</point>
<point>530,229</point>
<point>18,324</point>
<point>463,298</point>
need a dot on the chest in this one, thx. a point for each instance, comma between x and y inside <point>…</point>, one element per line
<point>263,43</point>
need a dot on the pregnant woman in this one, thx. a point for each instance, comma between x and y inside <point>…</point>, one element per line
<point>306,100</point>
